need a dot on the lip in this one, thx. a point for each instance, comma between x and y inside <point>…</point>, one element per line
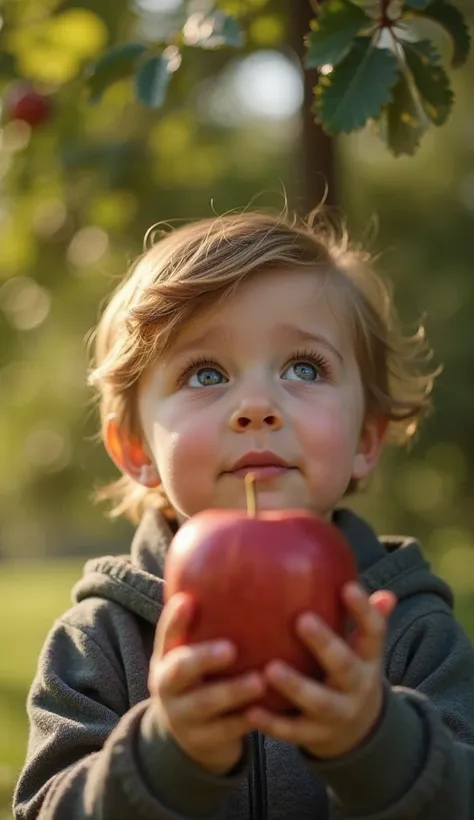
<point>263,463</point>
<point>263,472</point>
<point>259,458</point>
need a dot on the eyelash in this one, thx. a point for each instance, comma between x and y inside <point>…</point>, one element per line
<point>196,364</point>
<point>319,361</point>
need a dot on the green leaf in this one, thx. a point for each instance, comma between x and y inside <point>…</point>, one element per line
<point>416,5</point>
<point>213,30</point>
<point>451,19</point>
<point>152,80</point>
<point>431,80</point>
<point>402,124</point>
<point>117,63</point>
<point>231,32</point>
<point>357,88</point>
<point>333,33</point>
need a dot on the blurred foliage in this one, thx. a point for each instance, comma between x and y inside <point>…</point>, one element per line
<point>78,193</point>
<point>376,60</point>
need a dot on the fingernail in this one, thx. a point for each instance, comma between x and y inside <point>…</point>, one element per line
<point>308,623</point>
<point>222,649</point>
<point>278,671</point>
<point>254,682</point>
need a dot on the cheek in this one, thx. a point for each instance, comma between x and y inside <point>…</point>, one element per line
<point>186,458</point>
<point>329,430</point>
<point>187,451</point>
<point>329,436</point>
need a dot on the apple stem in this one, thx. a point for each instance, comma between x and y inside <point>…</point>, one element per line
<point>251,495</point>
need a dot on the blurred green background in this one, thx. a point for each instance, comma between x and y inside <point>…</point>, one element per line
<point>77,195</point>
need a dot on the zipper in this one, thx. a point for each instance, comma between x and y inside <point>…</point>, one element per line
<point>257,779</point>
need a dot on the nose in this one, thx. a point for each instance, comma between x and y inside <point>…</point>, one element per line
<point>256,414</point>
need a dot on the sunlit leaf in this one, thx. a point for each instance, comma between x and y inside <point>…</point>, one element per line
<point>431,80</point>
<point>403,124</point>
<point>452,21</point>
<point>357,88</point>
<point>152,80</point>
<point>333,32</point>
<point>213,30</point>
<point>117,63</point>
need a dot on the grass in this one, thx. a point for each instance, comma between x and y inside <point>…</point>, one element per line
<point>32,595</point>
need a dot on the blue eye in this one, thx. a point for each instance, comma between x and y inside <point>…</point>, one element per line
<point>206,377</point>
<point>301,371</point>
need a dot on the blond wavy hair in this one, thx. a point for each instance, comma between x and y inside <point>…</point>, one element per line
<point>187,269</point>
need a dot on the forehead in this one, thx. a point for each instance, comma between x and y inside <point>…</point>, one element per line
<point>267,300</point>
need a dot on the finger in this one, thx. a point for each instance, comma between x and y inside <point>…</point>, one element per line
<point>174,620</point>
<point>218,733</point>
<point>300,731</point>
<point>185,666</point>
<point>335,656</point>
<point>217,698</point>
<point>311,697</point>
<point>385,601</point>
<point>371,623</point>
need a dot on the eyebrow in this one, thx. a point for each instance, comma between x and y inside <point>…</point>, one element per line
<point>212,336</point>
<point>219,334</point>
<point>291,331</point>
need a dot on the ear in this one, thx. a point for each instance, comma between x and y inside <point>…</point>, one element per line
<point>129,455</point>
<point>370,446</point>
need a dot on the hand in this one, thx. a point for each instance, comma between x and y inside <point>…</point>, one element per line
<point>338,715</point>
<point>192,713</point>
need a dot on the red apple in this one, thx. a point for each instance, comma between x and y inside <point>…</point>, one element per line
<point>251,577</point>
<point>22,102</point>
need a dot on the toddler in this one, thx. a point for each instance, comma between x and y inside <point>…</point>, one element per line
<point>243,339</point>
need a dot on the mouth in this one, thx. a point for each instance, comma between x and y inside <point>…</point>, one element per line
<point>263,465</point>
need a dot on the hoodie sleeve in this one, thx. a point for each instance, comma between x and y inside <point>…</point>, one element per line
<point>83,756</point>
<point>419,761</point>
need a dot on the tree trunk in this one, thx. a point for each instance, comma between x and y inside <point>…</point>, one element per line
<point>315,163</point>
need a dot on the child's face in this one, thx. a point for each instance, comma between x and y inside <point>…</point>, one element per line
<point>271,369</point>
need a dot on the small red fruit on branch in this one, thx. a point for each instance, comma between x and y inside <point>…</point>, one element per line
<point>23,102</point>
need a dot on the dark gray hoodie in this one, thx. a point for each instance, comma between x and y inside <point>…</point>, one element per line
<point>93,751</point>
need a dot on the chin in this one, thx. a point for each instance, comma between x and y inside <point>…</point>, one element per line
<point>268,500</point>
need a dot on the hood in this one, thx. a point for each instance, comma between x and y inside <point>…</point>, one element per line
<point>136,581</point>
